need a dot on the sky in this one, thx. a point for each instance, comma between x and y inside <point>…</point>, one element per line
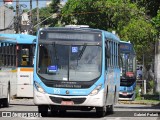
<point>41,3</point>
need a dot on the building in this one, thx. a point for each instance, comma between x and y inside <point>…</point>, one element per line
<point>25,23</point>
<point>6,19</point>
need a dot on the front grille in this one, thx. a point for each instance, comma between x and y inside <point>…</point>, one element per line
<point>59,100</point>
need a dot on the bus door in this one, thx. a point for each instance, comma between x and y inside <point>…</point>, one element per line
<point>25,71</point>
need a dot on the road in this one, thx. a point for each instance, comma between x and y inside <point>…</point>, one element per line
<point>122,112</point>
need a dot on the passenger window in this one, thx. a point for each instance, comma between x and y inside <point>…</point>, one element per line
<point>107,50</point>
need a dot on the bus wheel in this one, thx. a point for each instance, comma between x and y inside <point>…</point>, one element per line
<point>6,101</point>
<point>110,109</point>
<point>43,110</point>
<point>101,111</point>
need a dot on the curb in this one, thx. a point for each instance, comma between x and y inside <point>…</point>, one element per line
<point>138,102</point>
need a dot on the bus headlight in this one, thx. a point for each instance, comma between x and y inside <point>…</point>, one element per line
<point>39,88</point>
<point>96,90</point>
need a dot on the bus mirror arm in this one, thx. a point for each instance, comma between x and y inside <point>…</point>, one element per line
<point>34,41</point>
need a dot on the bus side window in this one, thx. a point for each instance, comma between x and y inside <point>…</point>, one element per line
<point>107,49</point>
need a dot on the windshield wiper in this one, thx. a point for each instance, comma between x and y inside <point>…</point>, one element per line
<point>82,51</point>
<point>55,50</point>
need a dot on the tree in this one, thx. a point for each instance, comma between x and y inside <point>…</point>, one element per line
<point>151,6</point>
<point>55,7</point>
<point>129,20</point>
<point>46,14</point>
<point>142,34</point>
<point>156,20</point>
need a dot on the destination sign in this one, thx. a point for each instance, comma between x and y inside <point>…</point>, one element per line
<point>125,47</point>
<point>70,36</point>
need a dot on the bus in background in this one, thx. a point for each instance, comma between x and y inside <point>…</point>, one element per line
<point>16,65</point>
<point>128,71</point>
<point>76,68</point>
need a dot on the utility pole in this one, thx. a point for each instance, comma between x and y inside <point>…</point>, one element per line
<point>31,11</point>
<point>30,17</point>
<point>17,15</point>
<point>37,15</point>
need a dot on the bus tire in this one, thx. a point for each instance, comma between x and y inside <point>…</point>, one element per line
<point>6,101</point>
<point>110,109</point>
<point>43,110</point>
<point>115,96</point>
<point>101,111</point>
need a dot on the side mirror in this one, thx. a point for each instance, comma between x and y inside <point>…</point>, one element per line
<point>34,41</point>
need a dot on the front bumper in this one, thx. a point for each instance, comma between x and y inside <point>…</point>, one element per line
<point>50,99</point>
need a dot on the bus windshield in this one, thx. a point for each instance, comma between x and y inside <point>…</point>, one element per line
<point>127,68</point>
<point>60,62</point>
<point>127,82</point>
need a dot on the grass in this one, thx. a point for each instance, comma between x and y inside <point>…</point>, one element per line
<point>139,100</point>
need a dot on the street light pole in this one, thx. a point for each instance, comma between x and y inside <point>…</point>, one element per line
<point>31,11</point>
<point>37,15</point>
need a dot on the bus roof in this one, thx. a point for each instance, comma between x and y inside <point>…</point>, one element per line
<point>111,36</point>
<point>70,29</point>
<point>17,38</point>
<point>127,42</point>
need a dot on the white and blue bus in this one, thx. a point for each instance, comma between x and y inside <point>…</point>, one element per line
<point>128,71</point>
<point>76,68</point>
<point>16,66</point>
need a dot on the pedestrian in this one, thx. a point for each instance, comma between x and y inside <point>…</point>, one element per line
<point>139,73</point>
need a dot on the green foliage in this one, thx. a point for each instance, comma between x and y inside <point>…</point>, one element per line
<point>54,6</point>
<point>107,15</point>
<point>156,20</point>
<point>46,13</point>
<point>1,62</point>
<point>151,6</point>
<point>151,83</point>
<point>142,34</point>
<point>137,92</point>
<point>150,87</point>
<point>127,18</point>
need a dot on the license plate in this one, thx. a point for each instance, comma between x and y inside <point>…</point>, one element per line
<point>67,103</point>
<point>125,93</point>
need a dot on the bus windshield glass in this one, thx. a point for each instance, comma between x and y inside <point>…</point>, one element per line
<point>127,68</point>
<point>127,82</point>
<point>61,62</point>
